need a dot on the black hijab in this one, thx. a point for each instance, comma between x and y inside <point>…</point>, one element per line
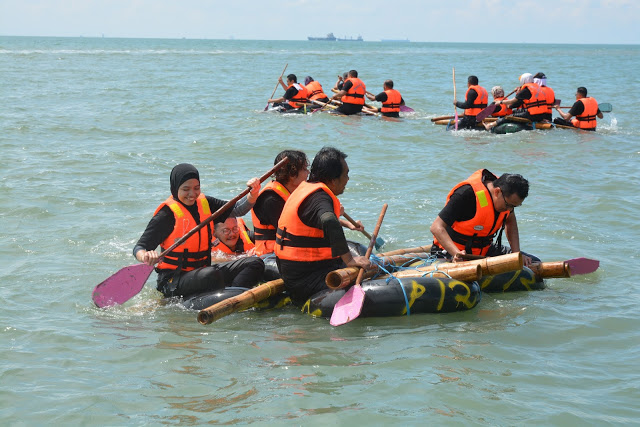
<point>181,173</point>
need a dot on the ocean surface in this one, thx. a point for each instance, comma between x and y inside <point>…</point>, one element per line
<point>90,129</point>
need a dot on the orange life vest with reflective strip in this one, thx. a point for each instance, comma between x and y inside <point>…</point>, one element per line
<point>587,120</point>
<point>314,90</point>
<point>265,234</point>
<point>196,251</point>
<point>296,241</point>
<point>247,244</point>
<point>480,103</point>
<point>477,233</point>
<point>301,96</point>
<point>355,95</point>
<point>549,98</point>
<point>537,104</point>
<point>392,104</point>
<point>504,111</point>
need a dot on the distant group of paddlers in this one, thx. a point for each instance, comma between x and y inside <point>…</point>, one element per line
<point>348,97</point>
<point>534,101</point>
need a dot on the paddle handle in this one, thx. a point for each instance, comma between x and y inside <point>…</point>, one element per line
<point>454,85</point>
<point>220,211</point>
<point>372,241</point>
<point>278,83</point>
<point>353,221</point>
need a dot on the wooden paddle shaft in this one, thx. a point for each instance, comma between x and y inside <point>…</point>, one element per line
<point>372,241</point>
<point>278,82</point>
<point>343,277</point>
<point>220,211</point>
<point>241,302</point>
<point>489,266</point>
<point>353,221</point>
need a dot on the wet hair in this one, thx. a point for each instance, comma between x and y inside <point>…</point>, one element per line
<point>293,78</point>
<point>389,83</point>
<point>582,91</point>
<point>473,80</point>
<point>511,183</point>
<point>497,91</point>
<point>327,165</point>
<point>297,162</point>
<point>353,73</point>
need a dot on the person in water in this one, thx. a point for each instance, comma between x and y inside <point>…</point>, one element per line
<point>585,110</point>
<point>477,211</point>
<point>390,98</point>
<point>310,241</point>
<point>187,270</point>
<point>268,208</point>
<point>475,100</point>
<point>233,237</point>
<point>295,95</point>
<point>351,95</point>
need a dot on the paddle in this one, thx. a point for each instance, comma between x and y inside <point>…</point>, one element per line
<point>129,281</point>
<point>455,98</point>
<point>605,107</point>
<point>379,240</point>
<point>277,84</point>
<point>489,110</point>
<point>350,305</point>
<point>403,108</point>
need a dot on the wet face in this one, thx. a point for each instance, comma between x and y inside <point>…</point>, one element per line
<point>339,184</point>
<point>228,232</point>
<point>189,191</point>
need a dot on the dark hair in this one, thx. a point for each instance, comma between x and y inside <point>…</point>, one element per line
<point>472,80</point>
<point>353,73</point>
<point>293,78</point>
<point>297,162</point>
<point>389,83</point>
<point>308,80</point>
<point>327,165</point>
<point>582,91</point>
<point>511,183</point>
<point>540,76</point>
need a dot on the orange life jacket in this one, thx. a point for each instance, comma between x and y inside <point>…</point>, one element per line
<point>392,104</point>
<point>504,111</point>
<point>196,251</point>
<point>301,96</point>
<point>549,98</point>
<point>296,241</point>
<point>247,244</point>
<point>355,95</point>
<point>314,90</point>
<point>476,235</point>
<point>265,234</point>
<point>480,103</point>
<point>537,104</point>
<point>587,120</point>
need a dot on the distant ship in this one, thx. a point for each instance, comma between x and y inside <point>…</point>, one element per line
<point>329,38</point>
<point>351,39</point>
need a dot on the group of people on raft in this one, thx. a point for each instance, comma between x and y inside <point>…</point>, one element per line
<point>296,217</point>
<point>534,100</point>
<point>350,93</point>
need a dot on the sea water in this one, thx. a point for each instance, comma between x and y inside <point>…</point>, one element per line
<point>90,129</point>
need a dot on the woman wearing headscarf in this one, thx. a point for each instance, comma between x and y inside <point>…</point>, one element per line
<point>187,270</point>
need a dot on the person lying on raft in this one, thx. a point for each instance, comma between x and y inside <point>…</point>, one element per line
<point>585,110</point>
<point>232,237</point>
<point>314,90</point>
<point>268,208</point>
<point>477,210</point>
<point>310,241</point>
<point>295,94</point>
<point>351,95</point>
<point>530,103</point>
<point>390,98</point>
<point>476,100</point>
<point>187,270</point>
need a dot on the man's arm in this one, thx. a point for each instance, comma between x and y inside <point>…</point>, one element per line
<point>439,230</point>
<point>513,236</point>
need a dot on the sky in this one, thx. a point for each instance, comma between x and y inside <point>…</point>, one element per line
<point>488,21</point>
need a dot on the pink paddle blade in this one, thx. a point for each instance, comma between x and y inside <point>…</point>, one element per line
<point>122,286</point>
<point>406,109</point>
<point>583,265</point>
<point>348,307</point>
